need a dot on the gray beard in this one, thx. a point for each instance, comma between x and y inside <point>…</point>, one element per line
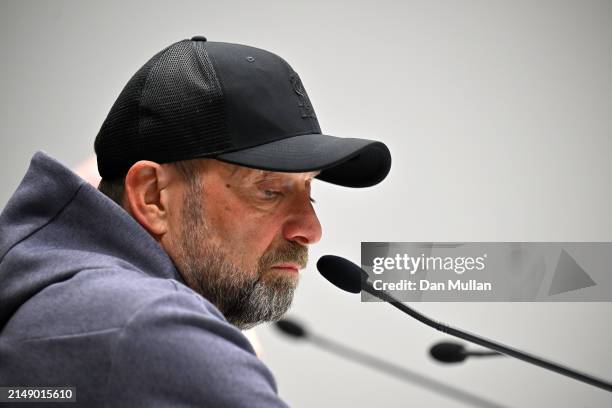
<point>242,296</point>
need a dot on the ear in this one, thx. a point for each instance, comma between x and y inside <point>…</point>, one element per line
<point>146,195</point>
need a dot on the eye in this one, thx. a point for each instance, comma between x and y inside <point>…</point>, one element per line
<point>312,200</point>
<point>272,193</point>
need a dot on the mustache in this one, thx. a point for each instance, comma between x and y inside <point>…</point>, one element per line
<point>288,252</point>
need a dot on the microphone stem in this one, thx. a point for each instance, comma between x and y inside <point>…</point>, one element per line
<point>401,372</point>
<point>481,341</point>
<point>483,353</point>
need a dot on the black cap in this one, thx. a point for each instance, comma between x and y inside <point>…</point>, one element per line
<point>234,103</point>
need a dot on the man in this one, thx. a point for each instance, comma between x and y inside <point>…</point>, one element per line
<point>208,157</point>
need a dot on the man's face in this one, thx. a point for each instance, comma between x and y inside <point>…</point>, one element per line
<point>242,236</point>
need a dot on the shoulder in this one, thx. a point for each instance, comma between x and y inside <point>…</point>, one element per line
<point>124,297</point>
<point>175,349</point>
<point>100,299</point>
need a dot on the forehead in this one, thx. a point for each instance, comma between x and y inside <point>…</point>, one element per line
<point>237,172</point>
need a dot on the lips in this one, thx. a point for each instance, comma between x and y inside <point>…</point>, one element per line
<point>287,266</point>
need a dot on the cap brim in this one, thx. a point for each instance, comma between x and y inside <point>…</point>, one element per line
<point>345,161</point>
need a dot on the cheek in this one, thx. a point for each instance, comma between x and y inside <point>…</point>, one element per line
<point>242,230</point>
<point>252,234</point>
<point>244,233</point>
<point>248,237</point>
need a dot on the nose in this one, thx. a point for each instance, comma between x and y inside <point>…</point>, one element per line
<point>302,225</point>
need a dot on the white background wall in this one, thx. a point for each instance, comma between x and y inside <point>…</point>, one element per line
<point>498,116</point>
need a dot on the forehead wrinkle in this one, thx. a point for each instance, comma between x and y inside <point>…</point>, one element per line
<point>232,170</point>
<point>257,175</point>
<point>267,173</point>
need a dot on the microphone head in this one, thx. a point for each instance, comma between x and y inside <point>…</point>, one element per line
<point>342,273</point>
<point>447,352</point>
<point>291,328</point>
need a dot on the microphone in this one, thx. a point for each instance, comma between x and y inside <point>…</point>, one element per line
<point>449,352</point>
<point>293,329</point>
<point>350,277</point>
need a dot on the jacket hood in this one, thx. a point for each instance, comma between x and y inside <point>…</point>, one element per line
<point>56,224</point>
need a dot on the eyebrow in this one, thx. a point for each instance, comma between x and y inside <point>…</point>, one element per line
<point>266,174</point>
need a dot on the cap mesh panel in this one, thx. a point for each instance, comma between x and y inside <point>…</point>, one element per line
<point>171,109</point>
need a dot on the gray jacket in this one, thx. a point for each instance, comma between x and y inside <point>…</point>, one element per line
<point>88,299</point>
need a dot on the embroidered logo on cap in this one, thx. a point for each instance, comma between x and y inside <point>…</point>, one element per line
<point>304,104</point>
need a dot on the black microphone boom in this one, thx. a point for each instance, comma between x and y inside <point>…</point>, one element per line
<point>346,275</point>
